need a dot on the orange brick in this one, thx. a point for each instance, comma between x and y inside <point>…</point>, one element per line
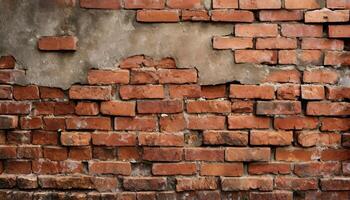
<point>281,15</point>
<point>107,77</point>
<point>252,91</point>
<point>301,30</point>
<point>258,4</point>
<point>59,43</point>
<point>147,4</point>
<point>158,16</point>
<point>256,30</point>
<point>232,16</point>
<point>256,56</point>
<point>325,15</point>
<point>225,3</point>
<point>232,43</point>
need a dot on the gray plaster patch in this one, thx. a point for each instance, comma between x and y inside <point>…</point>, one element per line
<point>106,37</point>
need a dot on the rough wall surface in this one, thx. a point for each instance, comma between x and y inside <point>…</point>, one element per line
<point>174,99</point>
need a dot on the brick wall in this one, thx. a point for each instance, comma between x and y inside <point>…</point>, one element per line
<point>149,130</point>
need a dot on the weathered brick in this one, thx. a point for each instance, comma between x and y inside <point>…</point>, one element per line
<point>247,183</point>
<point>6,92</point>
<point>328,108</point>
<point>44,137</point>
<point>27,182</point>
<point>256,56</point>
<point>248,122</point>
<point>295,122</point>
<point>276,43</point>
<point>30,92</point>
<point>166,106</point>
<point>335,124</point>
<point>75,138</point>
<point>335,155</point>
<point>51,93</point>
<point>213,91</point>
<point>335,183</point>
<point>252,91</point>
<point>278,107</point>
<point>313,92</point>
<point>7,62</point>
<point>201,183</point>
<point>113,139</point>
<point>288,92</point>
<point>81,153</point>
<point>86,108</point>
<point>314,138</point>
<point>338,92</point>
<point>90,92</point>
<point>221,169</point>
<point>162,154</point>
<point>12,76</point>
<point>339,4</point>
<point>322,44</point>
<point>182,168</point>
<point>132,62</point>
<point>118,108</point>
<point>301,30</point>
<point>234,138</point>
<point>100,4</point>
<point>143,76</point>
<point>337,58</point>
<point>317,169</point>
<point>272,195</point>
<point>172,123</point>
<point>195,15</point>
<point>65,182</point>
<point>11,107</point>
<point>144,183</point>
<point>258,4</point>
<point>232,16</point>
<point>242,106</point>
<point>57,43</point>
<point>283,76</point>
<point>339,31</point>
<point>269,168</point>
<point>277,138</point>
<point>211,106</point>
<point>163,139</point>
<point>247,154</point>
<point>206,154</point>
<point>294,183</point>
<point>280,15</point>
<point>18,167</point>
<point>31,122</point>
<point>295,154</point>
<point>326,15</point>
<point>158,16</point>
<point>107,77</point>
<point>141,92</point>
<point>84,123</point>
<point>184,91</point>
<point>8,122</point>
<point>29,151</point>
<point>184,4</point>
<point>225,3</point>
<point>55,153</point>
<point>320,76</point>
<point>109,167</point>
<point>203,122</point>
<point>135,123</point>
<point>256,30</point>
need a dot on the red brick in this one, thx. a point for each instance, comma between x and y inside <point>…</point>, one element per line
<point>44,137</point>
<point>114,139</point>
<point>294,183</point>
<point>288,92</point>
<point>276,43</point>
<point>54,123</point>
<point>128,153</point>
<point>86,108</point>
<point>101,4</point>
<point>320,76</point>
<point>45,167</point>
<point>335,124</point>
<point>184,4</point>
<point>142,92</point>
<point>172,123</point>
<point>177,76</point>
<point>182,168</point>
<point>337,58</point>
<point>201,183</point>
<point>29,151</point>
<point>335,184</point>
<point>7,62</point>
<point>55,153</point>
<point>317,169</point>
<point>75,138</point>
<point>340,4</point>
<point>161,139</point>
<point>304,4</point>
<point>338,92</point>
<point>51,93</point>
<point>18,137</point>
<point>31,122</point>
<point>81,153</point>
<point>213,91</point>
<point>326,15</point>
<point>221,169</point>
<point>258,4</point>
<point>57,43</point>
<point>328,108</point>
<point>158,16</point>
<point>109,167</point>
<point>275,138</point>
<point>301,30</point>
<point>162,154</point>
<point>269,168</point>
<point>248,122</point>
<point>65,182</point>
<point>232,43</point>
<point>166,106</point>
<point>256,30</point>
<point>295,122</point>
<point>184,91</point>
<point>6,92</point>
<point>147,4</point>
<point>313,92</point>
<point>144,183</point>
<point>278,107</point>
<point>18,167</point>
<point>314,138</point>
<point>309,57</point>
<point>339,31</point>
<point>132,62</point>
<point>205,154</point>
<point>247,154</point>
<point>195,15</point>
<point>27,182</point>
<point>287,57</point>
<point>295,154</point>
<point>335,154</point>
<point>135,124</point>
<point>7,181</point>
<point>106,77</point>
<point>8,107</point>
<point>8,122</point>
<point>143,76</point>
<point>256,56</point>
<point>322,44</point>
<point>63,108</point>
<point>211,106</point>
<point>26,92</point>
<point>225,3</point>
<point>203,122</point>
<point>286,195</point>
<point>242,106</point>
<point>90,92</point>
<point>234,138</point>
<point>252,92</point>
<point>247,183</point>
<point>280,15</point>
<point>7,152</point>
<point>118,108</point>
<point>232,16</point>
<point>81,123</point>
<point>283,76</point>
